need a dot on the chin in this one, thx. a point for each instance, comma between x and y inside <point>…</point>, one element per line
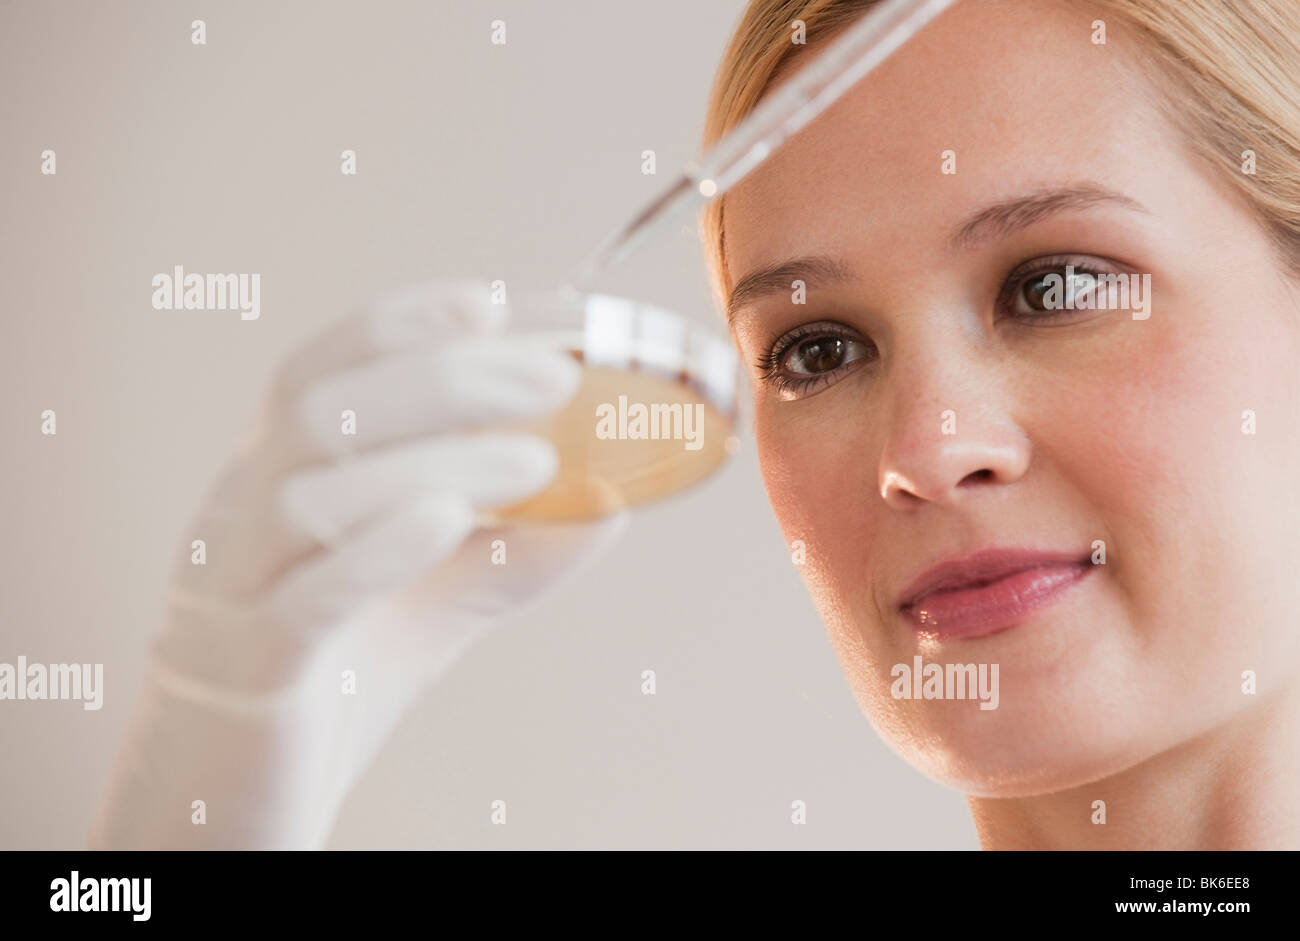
<point>1006,752</point>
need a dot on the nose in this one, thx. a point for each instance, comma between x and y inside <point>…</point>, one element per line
<point>951,437</point>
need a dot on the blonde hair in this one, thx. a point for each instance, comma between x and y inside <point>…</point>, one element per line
<point>1229,71</point>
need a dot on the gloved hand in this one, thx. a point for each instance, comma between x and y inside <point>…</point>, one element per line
<point>328,553</point>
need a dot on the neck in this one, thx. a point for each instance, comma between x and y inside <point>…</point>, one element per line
<point>1230,789</point>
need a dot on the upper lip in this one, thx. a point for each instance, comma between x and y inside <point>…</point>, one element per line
<point>987,565</point>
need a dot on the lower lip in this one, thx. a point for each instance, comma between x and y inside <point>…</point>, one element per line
<point>996,606</point>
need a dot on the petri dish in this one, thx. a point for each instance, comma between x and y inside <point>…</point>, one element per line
<point>655,413</point>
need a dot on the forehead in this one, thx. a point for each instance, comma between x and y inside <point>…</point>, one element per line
<point>1017,91</point>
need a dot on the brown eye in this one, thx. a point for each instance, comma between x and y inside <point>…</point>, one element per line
<point>813,356</point>
<point>1057,288</point>
<point>822,353</point>
<point>818,354</point>
<point>1034,288</point>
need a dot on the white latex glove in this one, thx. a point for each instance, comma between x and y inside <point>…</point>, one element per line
<point>327,553</point>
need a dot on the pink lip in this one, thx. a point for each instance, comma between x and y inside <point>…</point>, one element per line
<point>989,591</point>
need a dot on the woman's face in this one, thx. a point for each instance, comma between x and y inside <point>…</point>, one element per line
<point>927,401</point>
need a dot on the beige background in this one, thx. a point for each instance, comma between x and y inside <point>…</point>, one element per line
<point>473,159</point>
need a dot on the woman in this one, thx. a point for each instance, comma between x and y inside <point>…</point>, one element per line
<point>957,454</point>
<point>1051,526</point>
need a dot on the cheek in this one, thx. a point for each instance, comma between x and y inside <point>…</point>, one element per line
<point>820,477</point>
<point>1129,435</point>
<point>821,482</point>
<point>1192,507</point>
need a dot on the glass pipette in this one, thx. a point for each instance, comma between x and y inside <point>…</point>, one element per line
<point>812,89</point>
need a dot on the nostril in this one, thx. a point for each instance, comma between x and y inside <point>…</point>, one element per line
<point>979,476</point>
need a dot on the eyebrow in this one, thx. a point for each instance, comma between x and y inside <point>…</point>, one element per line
<point>1003,218</point>
<point>999,219</point>
<point>778,278</point>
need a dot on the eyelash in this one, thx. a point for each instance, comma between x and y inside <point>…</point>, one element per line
<point>769,365</point>
<point>1016,280</point>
